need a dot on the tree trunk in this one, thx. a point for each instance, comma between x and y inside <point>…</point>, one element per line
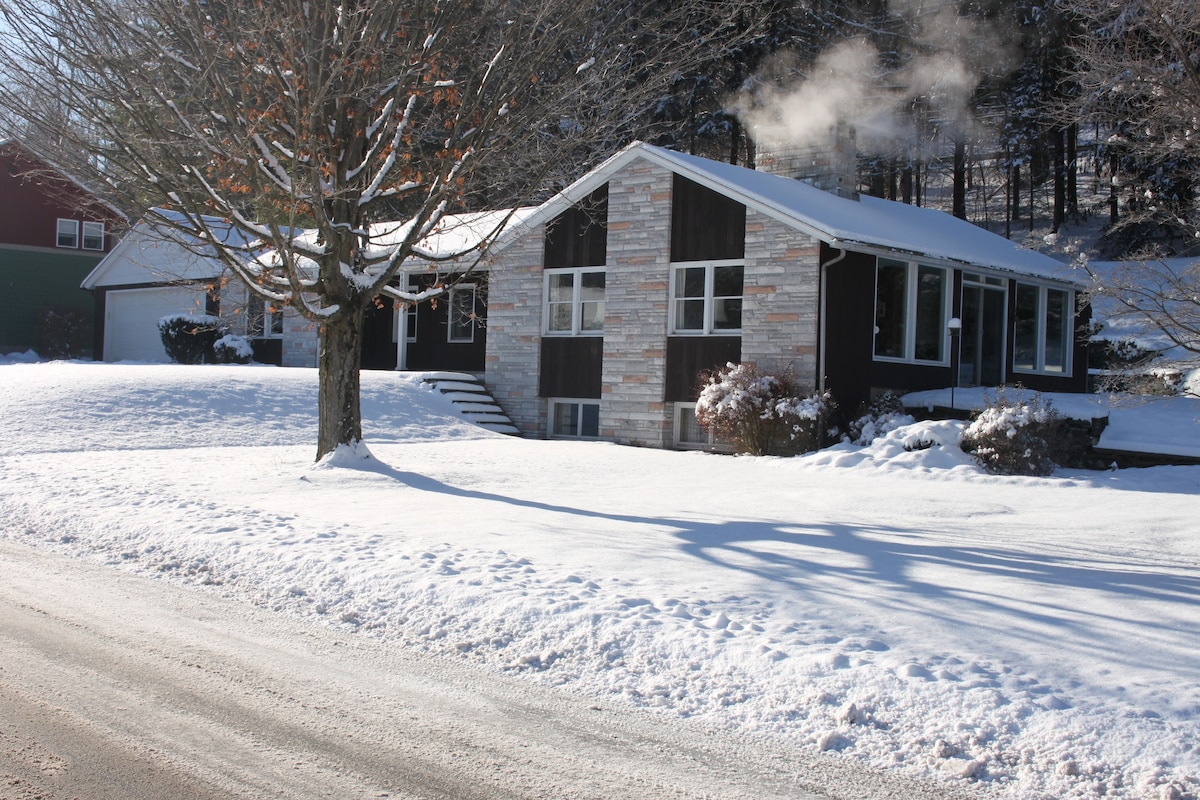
<point>339,415</point>
<point>1073,169</point>
<point>1059,214</point>
<point>959,202</point>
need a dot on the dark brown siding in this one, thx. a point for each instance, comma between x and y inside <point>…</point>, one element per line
<point>851,371</point>
<point>705,225</point>
<point>571,366</point>
<point>432,350</point>
<point>688,356</point>
<point>578,237</point>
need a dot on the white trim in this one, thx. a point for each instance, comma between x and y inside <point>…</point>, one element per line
<point>58,234</point>
<point>712,443</point>
<point>579,403</point>
<point>576,301</point>
<point>83,240</point>
<point>912,275</point>
<point>709,301</point>
<point>450,312</point>
<point>1041,313</point>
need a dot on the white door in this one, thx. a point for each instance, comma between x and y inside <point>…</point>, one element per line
<point>131,320</point>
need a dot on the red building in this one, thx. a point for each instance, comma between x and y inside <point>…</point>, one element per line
<point>52,233</point>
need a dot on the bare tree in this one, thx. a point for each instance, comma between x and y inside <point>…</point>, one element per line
<point>332,115</point>
<point>1137,68</point>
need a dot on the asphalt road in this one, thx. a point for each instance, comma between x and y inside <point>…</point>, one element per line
<point>118,686</point>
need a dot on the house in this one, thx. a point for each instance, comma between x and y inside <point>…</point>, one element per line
<point>595,313</point>
<point>605,306</point>
<point>158,269</point>
<point>53,231</point>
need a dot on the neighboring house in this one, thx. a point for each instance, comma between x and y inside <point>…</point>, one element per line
<point>608,303</point>
<point>52,233</point>
<point>155,271</point>
<point>595,313</point>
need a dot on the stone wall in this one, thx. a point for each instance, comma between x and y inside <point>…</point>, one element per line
<point>514,331</point>
<point>632,410</point>
<point>780,311</point>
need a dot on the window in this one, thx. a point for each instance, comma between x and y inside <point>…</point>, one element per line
<point>462,313</point>
<point>707,298</point>
<point>410,322</point>
<point>575,302</point>
<point>690,434</point>
<point>575,419</point>
<point>265,320</point>
<point>911,309</point>
<point>68,233</point>
<point>1042,322</point>
<point>93,236</point>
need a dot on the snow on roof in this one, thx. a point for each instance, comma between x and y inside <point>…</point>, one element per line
<point>868,222</point>
<point>155,252</point>
<point>455,234</point>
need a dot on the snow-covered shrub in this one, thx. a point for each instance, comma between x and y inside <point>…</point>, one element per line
<point>189,338</point>
<point>233,349</point>
<point>1017,437</point>
<point>880,417</point>
<point>762,414</point>
<point>62,332</point>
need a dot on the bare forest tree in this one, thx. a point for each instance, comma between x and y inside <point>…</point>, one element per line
<point>331,115</point>
<point>1138,72</point>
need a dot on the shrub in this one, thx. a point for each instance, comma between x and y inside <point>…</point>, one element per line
<point>62,332</point>
<point>1015,437</point>
<point>233,349</point>
<point>189,338</point>
<point>762,414</point>
<point>881,416</point>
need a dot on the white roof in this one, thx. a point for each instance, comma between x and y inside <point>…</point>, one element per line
<point>868,223</point>
<point>153,253</point>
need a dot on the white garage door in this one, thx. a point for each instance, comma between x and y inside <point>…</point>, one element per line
<point>131,320</point>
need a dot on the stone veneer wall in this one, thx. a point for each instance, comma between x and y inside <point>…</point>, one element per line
<point>632,410</point>
<point>514,332</point>
<point>299,340</point>
<point>780,311</point>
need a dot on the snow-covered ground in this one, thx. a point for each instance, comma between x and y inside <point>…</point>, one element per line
<point>1035,637</point>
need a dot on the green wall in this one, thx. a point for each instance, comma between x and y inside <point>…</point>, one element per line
<point>33,280</point>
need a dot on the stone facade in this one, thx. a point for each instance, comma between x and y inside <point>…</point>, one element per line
<point>781,305</point>
<point>632,410</point>
<point>514,325</point>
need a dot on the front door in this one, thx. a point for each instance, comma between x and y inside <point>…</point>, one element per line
<point>984,305</point>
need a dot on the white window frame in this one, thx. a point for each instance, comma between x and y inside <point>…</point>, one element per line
<point>271,317</point>
<point>577,301</point>
<point>579,403</point>
<point>711,443</point>
<point>709,327</point>
<point>94,230</point>
<point>74,234</point>
<point>1039,367</point>
<point>912,289</point>
<point>451,310</point>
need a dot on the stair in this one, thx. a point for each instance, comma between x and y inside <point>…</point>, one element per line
<point>471,399</point>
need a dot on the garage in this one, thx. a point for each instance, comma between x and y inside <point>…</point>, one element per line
<point>131,319</point>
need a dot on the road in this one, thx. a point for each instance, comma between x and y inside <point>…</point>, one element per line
<point>115,686</point>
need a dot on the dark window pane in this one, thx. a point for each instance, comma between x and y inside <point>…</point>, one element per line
<point>930,324</point>
<point>727,314</point>
<point>891,308</point>
<point>727,281</point>
<point>1025,327</point>
<point>589,420</point>
<point>689,315</point>
<point>1058,327</point>
<point>690,282</point>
